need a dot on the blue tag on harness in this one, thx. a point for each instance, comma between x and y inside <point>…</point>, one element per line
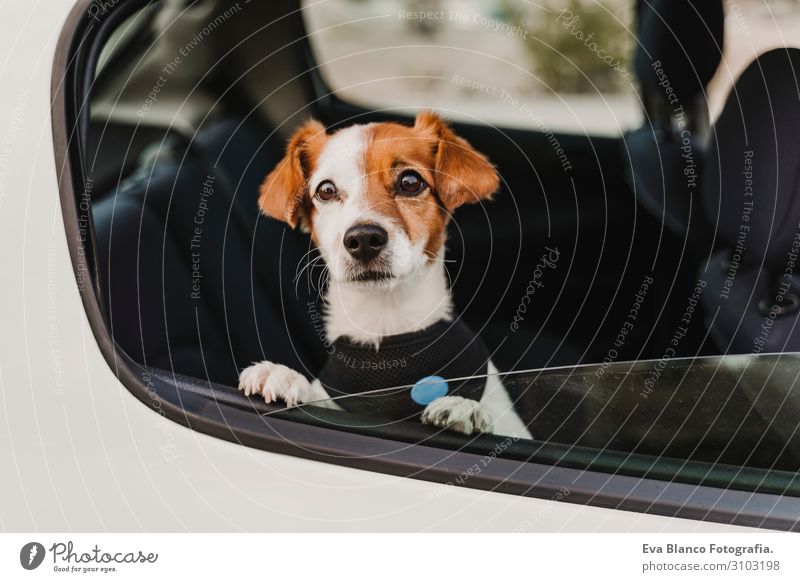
<point>428,389</point>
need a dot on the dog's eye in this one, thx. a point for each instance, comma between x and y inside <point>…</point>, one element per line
<point>410,183</point>
<point>327,190</point>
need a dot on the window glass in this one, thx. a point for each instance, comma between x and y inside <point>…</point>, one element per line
<point>540,65</point>
<point>686,417</point>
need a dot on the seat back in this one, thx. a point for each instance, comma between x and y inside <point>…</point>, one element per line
<point>751,196</point>
<point>679,48</point>
<point>194,280</point>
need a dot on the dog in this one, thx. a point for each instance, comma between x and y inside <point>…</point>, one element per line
<point>376,200</point>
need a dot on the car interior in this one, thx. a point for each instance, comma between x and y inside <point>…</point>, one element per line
<point>186,117</point>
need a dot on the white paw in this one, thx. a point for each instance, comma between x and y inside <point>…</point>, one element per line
<point>457,414</point>
<point>275,382</point>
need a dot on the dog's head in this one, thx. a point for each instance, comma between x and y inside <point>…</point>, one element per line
<point>376,198</point>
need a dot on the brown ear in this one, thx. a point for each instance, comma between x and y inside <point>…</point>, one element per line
<point>463,175</point>
<point>283,195</point>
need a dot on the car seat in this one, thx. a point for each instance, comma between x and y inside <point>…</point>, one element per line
<point>208,303</point>
<point>751,196</point>
<point>679,48</point>
<point>193,280</point>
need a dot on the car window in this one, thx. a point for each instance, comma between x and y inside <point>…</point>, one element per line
<point>612,360</point>
<point>537,65</point>
<point>683,416</point>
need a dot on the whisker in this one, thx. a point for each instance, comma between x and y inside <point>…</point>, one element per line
<point>311,250</point>
<point>323,282</point>
<point>300,266</point>
<point>308,268</point>
<point>437,257</point>
<point>309,265</point>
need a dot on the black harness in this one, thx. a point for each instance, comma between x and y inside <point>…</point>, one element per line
<point>415,367</point>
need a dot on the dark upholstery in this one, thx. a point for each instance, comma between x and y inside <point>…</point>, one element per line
<point>249,306</point>
<point>753,201</point>
<point>657,174</point>
<point>247,265</point>
<point>686,37</point>
<point>762,115</point>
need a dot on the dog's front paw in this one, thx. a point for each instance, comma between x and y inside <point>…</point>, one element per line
<point>275,382</point>
<point>458,414</point>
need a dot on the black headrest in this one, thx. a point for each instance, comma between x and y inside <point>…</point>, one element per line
<point>686,37</point>
<point>751,189</point>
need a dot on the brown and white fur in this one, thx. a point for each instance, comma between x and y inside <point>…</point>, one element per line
<point>388,278</point>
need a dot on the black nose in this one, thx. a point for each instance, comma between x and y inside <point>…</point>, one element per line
<point>365,241</point>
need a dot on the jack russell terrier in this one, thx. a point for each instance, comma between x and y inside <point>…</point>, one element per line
<point>376,199</point>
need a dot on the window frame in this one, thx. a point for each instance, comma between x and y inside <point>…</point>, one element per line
<point>211,410</point>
